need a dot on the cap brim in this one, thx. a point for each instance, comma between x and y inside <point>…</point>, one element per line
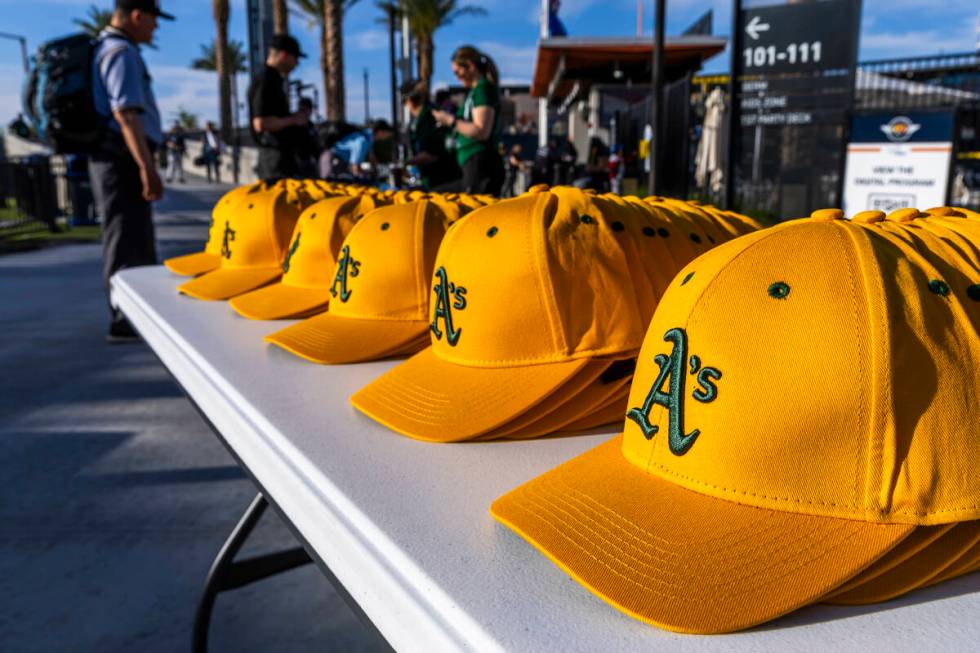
<point>225,283</point>
<point>965,564</point>
<point>916,571</point>
<point>191,265</point>
<point>430,399</point>
<point>279,301</point>
<point>333,340</point>
<point>586,404</point>
<point>681,560</point>
<point>614,410</point>
<point>164,15</point>
<point>564,399</point>
<point>918,540</point>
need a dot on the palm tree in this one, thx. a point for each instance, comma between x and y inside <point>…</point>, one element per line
<point>221,11</point>
<point>329,15</point>
<point>280,17</point>
<point>186,119</point>
<point>237,61</point>
<point>425,17</point>
<point>96,20</point>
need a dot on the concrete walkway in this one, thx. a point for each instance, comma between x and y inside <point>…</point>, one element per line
<point>115,494</point>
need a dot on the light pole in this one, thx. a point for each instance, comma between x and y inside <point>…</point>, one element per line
<point>657,101</point>
<point>23,47</point>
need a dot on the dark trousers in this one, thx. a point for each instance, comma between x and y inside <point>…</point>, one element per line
<point>127,219</point>
<point>483,173</point>
<point>275,163</point>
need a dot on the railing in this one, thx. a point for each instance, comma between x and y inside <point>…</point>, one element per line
<point>28,196</point>
<point>919,82</point>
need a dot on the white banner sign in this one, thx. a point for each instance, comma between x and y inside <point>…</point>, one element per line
<point>898,161</point>
<point>887,177</point>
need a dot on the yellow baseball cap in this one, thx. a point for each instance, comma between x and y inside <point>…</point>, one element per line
<point>191,265</point>
<point>307,269</point>
<point>526,293</point>
<point>254,241</point>
<point>804,400</point>
<point>379,288</point>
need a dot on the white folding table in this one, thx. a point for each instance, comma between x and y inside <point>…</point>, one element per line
<point>403,528</point>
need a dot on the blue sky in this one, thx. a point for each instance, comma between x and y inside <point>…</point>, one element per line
<point>890,28</point>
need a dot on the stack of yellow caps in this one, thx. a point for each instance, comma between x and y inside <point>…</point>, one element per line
<point>379,301</point>
<point>538,308</point>
<point>801,427</point>
<point>254,239</point>
<point>307,268</point>
<point>191,265</point>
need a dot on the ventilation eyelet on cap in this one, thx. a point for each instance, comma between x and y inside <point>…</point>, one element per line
<point>687,278</point>
<point>587,219</point>
<point>939,287</point>
<point>617,226</point>
<point>384,226</point>
<point>663,233</point>
<point>649,231</point>
<point>491,232</point>
<point>827,215</point>
<point>696,238</point>
<point>973,292</point>
<point>779,290</point>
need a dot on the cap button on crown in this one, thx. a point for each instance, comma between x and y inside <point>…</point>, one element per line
<point>905,215</point>
<point>941,211</point>
<point>827,215</point>
<point>868,217</point>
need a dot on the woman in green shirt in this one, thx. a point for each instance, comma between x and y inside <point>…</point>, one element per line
<point>475,124</point>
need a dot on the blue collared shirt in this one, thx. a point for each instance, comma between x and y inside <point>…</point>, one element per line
<point>354,147</point>
<point>120,80</point>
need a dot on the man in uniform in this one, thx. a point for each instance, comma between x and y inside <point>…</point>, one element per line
<point>123,169</point>
<point>277,132</point>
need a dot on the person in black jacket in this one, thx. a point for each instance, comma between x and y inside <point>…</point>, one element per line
<point>277,131</point>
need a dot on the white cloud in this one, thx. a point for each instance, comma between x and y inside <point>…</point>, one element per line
<point>514,62</point>
<point>897,45</point>
<point>371,39</point>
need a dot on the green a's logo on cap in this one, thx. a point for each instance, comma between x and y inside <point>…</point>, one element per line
<point>346,266</point>
<point>226,241</point>
<point>445,291</point>
<point>673,366</point>
<point>289,254</point>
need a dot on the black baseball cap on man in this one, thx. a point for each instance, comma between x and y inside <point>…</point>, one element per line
<point>149,6</point>
<point>287,44</point>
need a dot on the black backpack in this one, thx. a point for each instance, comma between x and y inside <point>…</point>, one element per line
<point>58,95</point>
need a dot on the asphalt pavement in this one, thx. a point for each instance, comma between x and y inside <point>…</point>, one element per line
<point>115,494</point>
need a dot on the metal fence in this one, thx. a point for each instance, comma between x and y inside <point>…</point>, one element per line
<point>946,80</point>
<point>28,196</point>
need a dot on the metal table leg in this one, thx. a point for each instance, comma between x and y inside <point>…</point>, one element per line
<point>226,574</point>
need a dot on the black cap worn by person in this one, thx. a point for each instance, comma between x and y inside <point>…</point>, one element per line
<point>287,44</point>
<point>149,6</point>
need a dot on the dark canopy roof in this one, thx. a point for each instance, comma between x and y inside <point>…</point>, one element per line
<point>563,62</point>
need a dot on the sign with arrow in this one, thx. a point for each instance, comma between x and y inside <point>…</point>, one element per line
<point>755,26</point>
<point>794,68</point>
<point>800,37</point>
